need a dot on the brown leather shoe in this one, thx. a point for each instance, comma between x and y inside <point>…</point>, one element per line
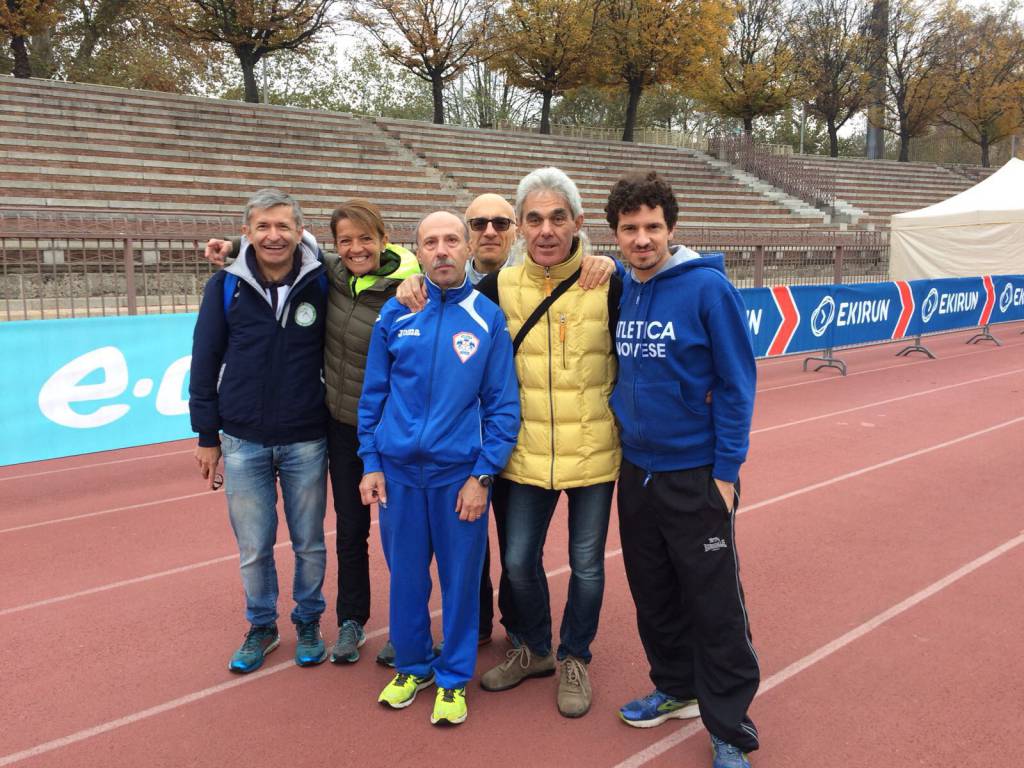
<point>520,663</point>
<point>574,693</point>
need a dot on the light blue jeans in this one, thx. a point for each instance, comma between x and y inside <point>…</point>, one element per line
<point>250,474</point>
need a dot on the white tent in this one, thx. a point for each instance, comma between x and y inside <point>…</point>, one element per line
<point>977,232</point>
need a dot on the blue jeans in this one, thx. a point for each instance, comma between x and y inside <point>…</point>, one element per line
<point>250,473</point>
<point>526,527</point>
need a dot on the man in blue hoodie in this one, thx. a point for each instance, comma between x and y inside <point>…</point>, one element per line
<point>438,418</point>
<point>256,394</point>
<point>684,400</point>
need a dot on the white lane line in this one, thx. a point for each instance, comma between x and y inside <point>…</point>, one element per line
<point>97,464</point>
<point>141,579</point>
<point>880,402</point>
<point>682,734</point>
<point>753,432</point>
<point>879,465</point>
<point>895,367</point>
<point>191,698</point>
<point>84,515</point>
<point>742,510</point>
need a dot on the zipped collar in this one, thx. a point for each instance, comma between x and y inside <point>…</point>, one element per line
<point>558,271</point>
<point>456,293</point>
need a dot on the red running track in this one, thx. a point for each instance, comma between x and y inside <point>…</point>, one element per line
<point>880,539</point>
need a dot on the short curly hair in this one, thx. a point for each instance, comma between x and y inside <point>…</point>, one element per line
<point>635,190</point>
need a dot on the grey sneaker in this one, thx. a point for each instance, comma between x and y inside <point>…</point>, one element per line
<point>386,655</point>
<point>350,638</point>
<point>520,663</point>
<point>574,693</point>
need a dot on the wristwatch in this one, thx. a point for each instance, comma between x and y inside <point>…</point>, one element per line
<point>484,480</point>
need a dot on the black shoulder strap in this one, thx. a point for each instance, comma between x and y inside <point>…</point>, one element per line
<point>531,321</point>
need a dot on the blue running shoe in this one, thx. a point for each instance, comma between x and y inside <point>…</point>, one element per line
<point>258,643</point>
<point>725,755</point>
<point>310,648</point>
<point>654,709</point>
<point>350,638</point>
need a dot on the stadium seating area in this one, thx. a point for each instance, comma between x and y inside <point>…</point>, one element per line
<point>71,147</point>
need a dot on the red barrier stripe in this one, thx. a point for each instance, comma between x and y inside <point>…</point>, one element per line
<point>790,319</point>
<point>990,300</point>
<point>907,312</point>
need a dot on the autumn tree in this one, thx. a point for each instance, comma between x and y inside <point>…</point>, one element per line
<point>831,51</point>
<point>546,46</point>
<point>251,28</point>
<point>19,20</point>
<point>986,49</point>
<point>918,72</point>
<point>754,73</point>
<point>434,39</point>
<point>646,42</point>
<point>126,43</point>
<point>877,71</point>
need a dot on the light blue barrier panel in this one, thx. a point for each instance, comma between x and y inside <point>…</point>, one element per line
<point>78,386</point>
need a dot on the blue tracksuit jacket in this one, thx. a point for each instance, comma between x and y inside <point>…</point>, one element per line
<point>680,335</point>
<point>440,397</point>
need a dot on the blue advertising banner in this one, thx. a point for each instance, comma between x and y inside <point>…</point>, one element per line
<point>953,303</point>
<point>93,384</point>
<point>870,312</point>
<point>1009,292</point>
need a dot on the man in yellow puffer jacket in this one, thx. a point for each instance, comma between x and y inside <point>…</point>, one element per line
<point>568,441</point>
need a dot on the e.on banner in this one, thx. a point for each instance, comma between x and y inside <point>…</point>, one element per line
<point>79,386</point>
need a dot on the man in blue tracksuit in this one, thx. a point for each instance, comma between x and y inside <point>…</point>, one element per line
<point>438,418</point>
<point>256,393</point>
<point>684,400</point>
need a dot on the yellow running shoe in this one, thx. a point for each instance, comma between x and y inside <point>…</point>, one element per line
<point>402,690</point>
<point>449,706</point>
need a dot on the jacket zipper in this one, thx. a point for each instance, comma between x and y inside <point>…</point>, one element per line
<point>430,372</point>
<point>561,335</point>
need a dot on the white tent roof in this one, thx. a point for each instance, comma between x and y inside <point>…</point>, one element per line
<point>977,232</point>
<point>996,200</point>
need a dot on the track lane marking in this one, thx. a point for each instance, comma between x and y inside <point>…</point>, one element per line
<point>97,464</point>
<point>877,403</point>
<point>742,510</point>
<point>676,738</point>
<point>205,693</point>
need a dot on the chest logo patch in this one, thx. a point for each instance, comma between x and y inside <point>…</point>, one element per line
<point>305,314</point>
<point>465,344</point>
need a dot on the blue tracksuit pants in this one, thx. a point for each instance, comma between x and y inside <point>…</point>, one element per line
<point>415,525</point>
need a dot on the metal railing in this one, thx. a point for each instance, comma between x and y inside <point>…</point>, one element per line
<point>89,265</point>
<point>780,169</point>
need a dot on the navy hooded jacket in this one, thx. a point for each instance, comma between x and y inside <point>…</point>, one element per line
<point>258,375</point>
<point>681,335</point>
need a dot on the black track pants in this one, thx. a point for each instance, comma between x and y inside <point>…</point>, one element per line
<point>499,505</point>
<point>678,546</point>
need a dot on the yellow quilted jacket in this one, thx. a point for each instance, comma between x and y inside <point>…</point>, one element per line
<point>566,367</point>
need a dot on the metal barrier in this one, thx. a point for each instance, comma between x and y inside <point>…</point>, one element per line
<point>71,265</point>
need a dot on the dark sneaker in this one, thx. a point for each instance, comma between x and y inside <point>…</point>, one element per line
<point>258,643</point>
<point>574,693</point>
<point>519,665</point>
<point>402,690</point>
<point>481,640</point>
<point>449,706</point>
<point>655,708</point>
<point>725,755</point>
<point>386,656</point>
<point>310,648</point>
<point>350,637</point>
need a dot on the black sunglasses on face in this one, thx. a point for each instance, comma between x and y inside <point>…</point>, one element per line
<point>500,223</point>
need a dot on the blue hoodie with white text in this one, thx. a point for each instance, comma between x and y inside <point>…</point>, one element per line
<point>681,335</point>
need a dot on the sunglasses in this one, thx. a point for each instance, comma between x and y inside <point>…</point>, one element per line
<point>500,223</point>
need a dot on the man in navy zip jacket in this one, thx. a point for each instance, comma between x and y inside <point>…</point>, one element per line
<point>684,400</point>
<point>257,394</point>
<point>438,418</point>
